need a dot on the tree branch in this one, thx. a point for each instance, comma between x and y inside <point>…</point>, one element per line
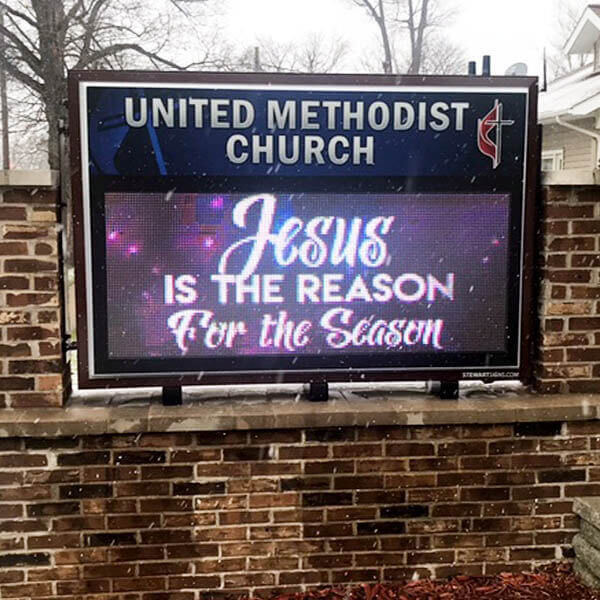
<point>19,75</point>
<point>27,56</point>
<point>117,48</point>
<point>17,13</point>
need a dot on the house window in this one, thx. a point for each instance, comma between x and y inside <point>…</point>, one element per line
<point>553,160</point>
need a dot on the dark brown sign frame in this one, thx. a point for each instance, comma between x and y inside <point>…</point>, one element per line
<point>526,327</point>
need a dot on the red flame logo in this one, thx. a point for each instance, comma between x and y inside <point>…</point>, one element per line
<point>492,121</point>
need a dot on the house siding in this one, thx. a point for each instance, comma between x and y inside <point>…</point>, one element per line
<point>578,148</point>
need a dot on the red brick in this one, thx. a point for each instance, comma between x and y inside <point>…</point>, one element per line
<point>379,466</point>
<point>462,448</point>
<point>16,383</point>
<point>584,387</point>
<point>12,213</point>
<point>355,575</point>
<point>195,581</point>
<point>44,249</point>
<point>456,510</point>
<point>536,553</point>
<point>586,226</point>
<point>23,460</point>
<point>433,495</point>
<point>487,555</point>
<point>570,275</point>
<point>585,293</point>
<point>410,449</point>
<point>482,463</point>
<point>511,478</point>
<point>433,464</point>
<point>27,196</point>
<point>28,265</point>
<point>303,452</point>
<point>410,480</point>
<point>358,482</point>
<point>31,333</point>
<point>556,261</point>
<point>14,282</point>
<point>484,494</point>
<point>46,284</point>
<point>139,584</point>
<point>298,515</point>
<point>500,509</point>
<point>568,211</point>
<point>13,248</point>
<point>14,350</point>
<point>12,576</point>
<point>25,299</point>
<point>357,450</point>
<point>329,466</point>
<point>24,367</point>
<point>31,590</point>
<point>192,550</point>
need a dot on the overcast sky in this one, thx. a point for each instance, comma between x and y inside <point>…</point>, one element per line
<point>509,30</point>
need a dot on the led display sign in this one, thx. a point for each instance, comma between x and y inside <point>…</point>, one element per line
<point>235,227</point>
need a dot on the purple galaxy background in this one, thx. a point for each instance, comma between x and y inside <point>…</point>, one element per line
<point>149,235</point>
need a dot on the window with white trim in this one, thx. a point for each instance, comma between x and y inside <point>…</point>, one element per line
<point>553,160</point>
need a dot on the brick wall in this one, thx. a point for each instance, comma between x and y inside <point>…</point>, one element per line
<point>156,516</point>
<point>30,350</point>
<point>568,356</point>
<point>569,308</point>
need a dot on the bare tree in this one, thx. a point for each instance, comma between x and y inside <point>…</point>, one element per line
<point>45,38</point>
<point>404,27</point>
<point>314,54</point>
<point>417,22</point>
<point>559,62</point>
<point>376,11</point>
<point>441,56</point>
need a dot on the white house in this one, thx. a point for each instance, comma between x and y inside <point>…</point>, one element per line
<point>570,111</point>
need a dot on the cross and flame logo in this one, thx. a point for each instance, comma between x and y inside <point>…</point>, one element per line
<point>492,121</point>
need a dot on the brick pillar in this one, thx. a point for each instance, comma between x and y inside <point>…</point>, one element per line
<point>31,363</point>
<point>569,307</point>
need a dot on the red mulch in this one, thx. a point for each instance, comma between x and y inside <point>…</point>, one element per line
<point>555,582</point>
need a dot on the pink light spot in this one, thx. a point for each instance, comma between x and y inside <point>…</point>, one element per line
<point>209,242</point>
<point>495,242</point>
<point>217,202</point>
<point>133,249</point>
<point>113,236</point>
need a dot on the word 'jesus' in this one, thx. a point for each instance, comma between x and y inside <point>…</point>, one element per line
<point>350,243</point>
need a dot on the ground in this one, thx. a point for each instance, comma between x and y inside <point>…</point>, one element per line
<point>555,582</point>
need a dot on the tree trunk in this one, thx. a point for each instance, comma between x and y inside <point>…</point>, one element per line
<point>387,49</point>
<point>50,17</point>
<point>417,36</point>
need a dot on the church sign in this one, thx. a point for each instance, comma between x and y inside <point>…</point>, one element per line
<point>243,228</point>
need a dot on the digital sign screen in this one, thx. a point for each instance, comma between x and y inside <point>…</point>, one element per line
<point>217,275</point>
<point>260,228</point>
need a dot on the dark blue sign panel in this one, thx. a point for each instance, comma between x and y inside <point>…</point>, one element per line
<point>291,230</point>
<point>300,132</point>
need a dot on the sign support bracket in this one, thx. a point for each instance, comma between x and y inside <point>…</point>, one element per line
<point>172,396</point>
<point>317,391</point>
<point>448,390</point>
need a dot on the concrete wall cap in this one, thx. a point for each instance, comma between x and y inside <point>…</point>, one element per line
<point>29,178</point>
<point>143,412</point>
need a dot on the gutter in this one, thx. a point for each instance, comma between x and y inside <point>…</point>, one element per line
<point>584,131</point>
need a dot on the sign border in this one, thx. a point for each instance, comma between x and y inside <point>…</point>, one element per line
<point>79,81</point>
